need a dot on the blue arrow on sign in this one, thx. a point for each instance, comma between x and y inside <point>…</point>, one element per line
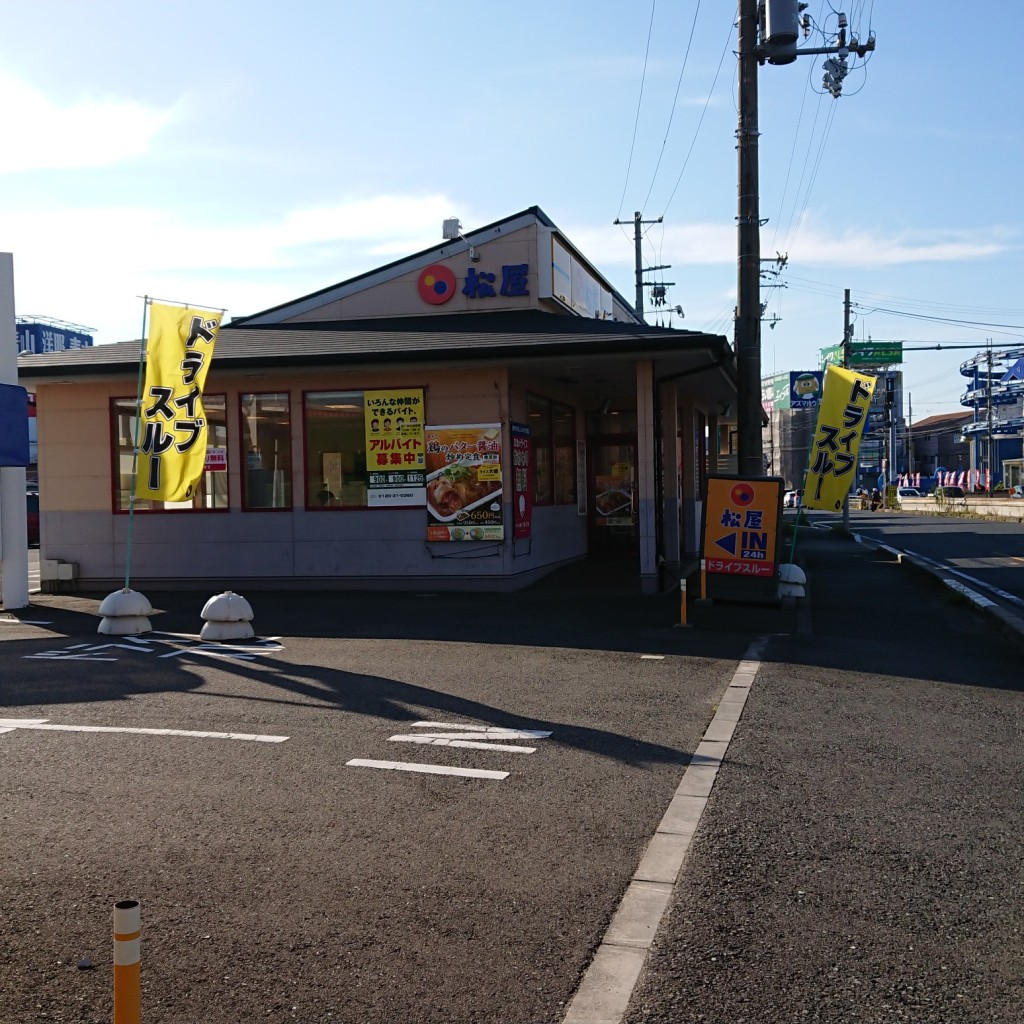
<point>728,543</point>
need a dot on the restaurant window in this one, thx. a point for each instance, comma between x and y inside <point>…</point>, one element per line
<point>564,433</point>
<point>553,442</point>
<point>267,449</point>
<point>335,435</point>
<point>212,490</point>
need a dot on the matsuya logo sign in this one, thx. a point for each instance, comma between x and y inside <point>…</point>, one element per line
<point>437,284</point>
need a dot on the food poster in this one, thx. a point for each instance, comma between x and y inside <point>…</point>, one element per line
<point>395,447</point>
<point>613,501</point>
<point>464,484</point>
<point>522,482</point>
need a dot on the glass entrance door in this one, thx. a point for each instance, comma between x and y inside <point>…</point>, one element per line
<point>612,507</point>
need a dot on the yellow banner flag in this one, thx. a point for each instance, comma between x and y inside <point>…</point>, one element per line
<point>172,451</point>
<point>842,415</point>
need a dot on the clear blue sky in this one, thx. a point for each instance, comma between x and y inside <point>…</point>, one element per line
<point>240,154</point>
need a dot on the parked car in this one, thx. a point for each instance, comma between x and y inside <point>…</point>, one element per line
<point>1017,492</point>
<point>907,492</point>
<point>32,517</point>
<point>947,493</point>
<point>793,499</point>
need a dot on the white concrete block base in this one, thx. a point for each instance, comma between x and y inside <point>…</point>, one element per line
<point>227,616</point>
<point>125,613</point>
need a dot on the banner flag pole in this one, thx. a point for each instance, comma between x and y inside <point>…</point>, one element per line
<point>135,447</point>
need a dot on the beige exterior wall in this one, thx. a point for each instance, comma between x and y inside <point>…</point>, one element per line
<point>239,548</point>
<point>400,296</point>
<point>73,424</point>
<point>75,460</point>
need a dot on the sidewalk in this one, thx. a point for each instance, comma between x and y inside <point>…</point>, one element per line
<point>859,857</point>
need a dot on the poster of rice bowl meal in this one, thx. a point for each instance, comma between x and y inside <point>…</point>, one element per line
<point>464,483</point>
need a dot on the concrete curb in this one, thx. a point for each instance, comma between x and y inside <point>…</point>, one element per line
<point>607,986</point>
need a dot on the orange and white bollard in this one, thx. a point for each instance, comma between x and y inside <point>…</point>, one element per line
<point>127,957</point>
<point>703,579</point>
<point>682,601</point>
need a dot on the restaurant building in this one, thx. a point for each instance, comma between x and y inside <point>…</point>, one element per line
<point>473,416</point>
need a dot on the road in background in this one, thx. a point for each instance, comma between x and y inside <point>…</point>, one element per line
<point>984,552</point>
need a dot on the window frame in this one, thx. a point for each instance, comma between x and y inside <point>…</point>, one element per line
<point>243,440</point>
<point>137,507</point>
<point>551,449</point>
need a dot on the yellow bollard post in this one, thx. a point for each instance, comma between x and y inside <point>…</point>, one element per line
<point>127,956</point>
<point>682,604</point>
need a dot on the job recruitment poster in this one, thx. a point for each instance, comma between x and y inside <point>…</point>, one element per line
<point>393,421</point>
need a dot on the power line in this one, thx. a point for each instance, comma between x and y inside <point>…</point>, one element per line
<point>939,319</point>
<point>672,112</point>
<point>700,120</point>
<point>636,122</point>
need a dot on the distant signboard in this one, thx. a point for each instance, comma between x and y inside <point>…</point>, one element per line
<point>38,338</point>
<point>805,389</point>
<point>775,392</point>
<point>865,353</point>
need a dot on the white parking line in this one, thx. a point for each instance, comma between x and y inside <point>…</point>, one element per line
<point>426,769</point>
<point>457,734</point>
<point>37,723</point>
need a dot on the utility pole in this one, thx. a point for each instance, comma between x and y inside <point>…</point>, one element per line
<point>640,269</point>
<point>847,339</point>
<point>781,27</point>
<point>910,433</point>
<point>988,402</point>
<point>750,461</point>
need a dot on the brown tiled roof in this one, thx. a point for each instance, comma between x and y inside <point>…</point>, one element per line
<point>943,420</point>
<point>432,338</point>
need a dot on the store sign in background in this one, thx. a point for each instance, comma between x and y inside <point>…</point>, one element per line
<point>464,482</point>
<point>39,338</point>
<point>805,388</point>
<point>865,354</point>
<point>522,482</point>
<point>395,447</point>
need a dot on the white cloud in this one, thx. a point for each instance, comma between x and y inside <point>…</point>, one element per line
<point>705,244</point>
<point>89,265</point>
<point>42,135</point>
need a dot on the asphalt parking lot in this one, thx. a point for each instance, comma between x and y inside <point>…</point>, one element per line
<point>858,858</point>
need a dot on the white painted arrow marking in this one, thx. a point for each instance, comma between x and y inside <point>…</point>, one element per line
<point>429,739</point>
<point>496,731</point>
